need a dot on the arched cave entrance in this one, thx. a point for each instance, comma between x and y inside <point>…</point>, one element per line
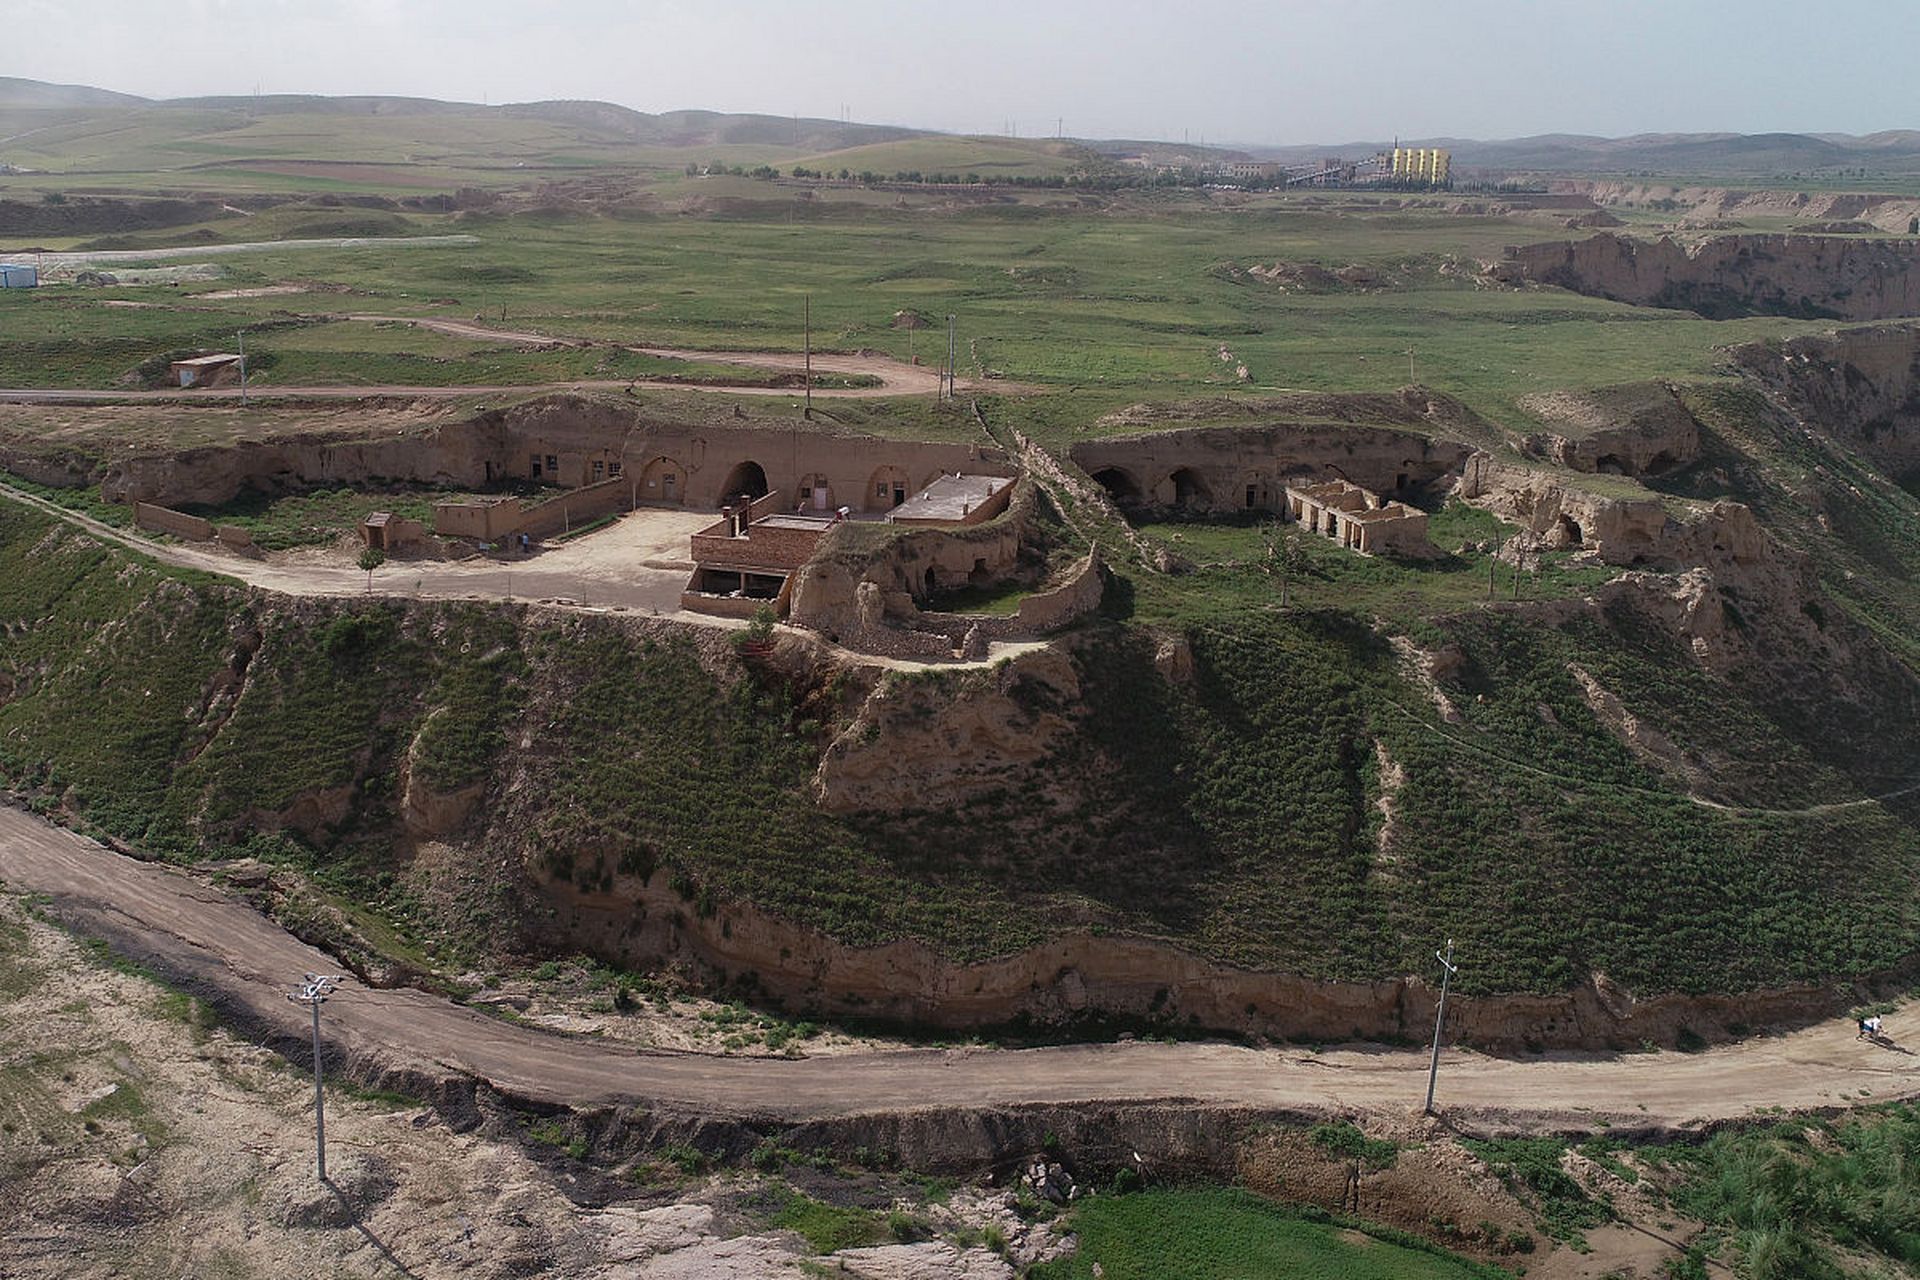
<point>887,489</point>
<point>1190,492</point>
<point>1120,486</point>
<point>816,492</point>
<point>1570,532</point>
<point>749,478</point>
<point>663,480</point>
<point>1608,464</point>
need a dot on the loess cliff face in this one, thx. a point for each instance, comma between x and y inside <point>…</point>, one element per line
<point>1860,386</point>
<point>1811,277</point>
<point>1626,806</point>
<point>1637,430</point>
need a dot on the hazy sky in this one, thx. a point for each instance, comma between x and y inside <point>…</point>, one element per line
<point>1273,71</point>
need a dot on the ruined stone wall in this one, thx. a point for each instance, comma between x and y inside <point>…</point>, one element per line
<point>1788,275</point>
<point>1212,470</point>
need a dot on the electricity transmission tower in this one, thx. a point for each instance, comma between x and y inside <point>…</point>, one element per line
<point>313,993</point>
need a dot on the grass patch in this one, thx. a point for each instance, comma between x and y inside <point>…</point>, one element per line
<point>1530,1169</point>
<point>1216,1233</point>
<point>829,1228</point>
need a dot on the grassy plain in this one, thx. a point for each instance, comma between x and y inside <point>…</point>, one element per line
<point>1137,294</point>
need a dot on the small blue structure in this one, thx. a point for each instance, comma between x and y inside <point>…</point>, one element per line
<point>18,275</point>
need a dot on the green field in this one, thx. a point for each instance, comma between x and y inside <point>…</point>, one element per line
<point>1207,1234</point>
<point>1139,302</point>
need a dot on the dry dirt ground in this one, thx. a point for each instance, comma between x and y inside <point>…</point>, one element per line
<point>138,1139</point>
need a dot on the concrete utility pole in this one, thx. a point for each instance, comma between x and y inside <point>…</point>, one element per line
<point>952,392</point>
<point>1447,970</point>
<point>241,337</point>
<point>806,325</point>
<point>313,993</point>
<point>1411,380</point>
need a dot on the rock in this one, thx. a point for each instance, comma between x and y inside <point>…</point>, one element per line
<point>1049,1180</point>
<point>931,1260</point>
<point>1173,659</point>
<point>633,1236</point>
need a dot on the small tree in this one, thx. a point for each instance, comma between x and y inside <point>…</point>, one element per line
<point>1285,557</point>
<point>370,559</point>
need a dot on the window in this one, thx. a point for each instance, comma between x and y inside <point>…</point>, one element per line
<point>880,489</point>
<point>534,469</point>
<point>613,469</point>
<point>599,470</point>
<point>553,464</point>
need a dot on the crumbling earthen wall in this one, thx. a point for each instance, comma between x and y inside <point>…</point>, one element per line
<point>910,564</point>
<point>166,520</point>
<point>1621,531</point>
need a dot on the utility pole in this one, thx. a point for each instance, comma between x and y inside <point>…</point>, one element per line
<point>313,993</point>
<point>242,338</point>
<point>952,392</point>
<point>1447,970</point>
<point>806,325</point>
<point>1411,380</point>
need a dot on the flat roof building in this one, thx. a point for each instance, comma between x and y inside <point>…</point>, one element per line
<point>201,369</point>
<point>956,499</point>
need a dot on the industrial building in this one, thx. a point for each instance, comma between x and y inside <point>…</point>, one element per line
<point>19,275</point>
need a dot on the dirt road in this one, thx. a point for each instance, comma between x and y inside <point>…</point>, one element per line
<point>895,378</point>
<point>95,257</point>
<point>229,954</point>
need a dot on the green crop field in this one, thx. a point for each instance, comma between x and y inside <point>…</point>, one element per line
<point>1202,1234</point>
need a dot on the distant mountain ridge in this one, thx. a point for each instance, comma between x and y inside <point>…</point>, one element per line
<point>1716,155</point>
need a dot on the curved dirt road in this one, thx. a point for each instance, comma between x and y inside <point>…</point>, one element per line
<point>895,378</point>
<point>227,953</point>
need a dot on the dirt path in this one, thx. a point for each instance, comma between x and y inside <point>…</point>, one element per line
<point>89,257</point>
<point>229,954</point>
<point>895,378</point>
<point>470,329</point>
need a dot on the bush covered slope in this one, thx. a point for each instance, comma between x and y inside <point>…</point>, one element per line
<point>1295,802</point>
